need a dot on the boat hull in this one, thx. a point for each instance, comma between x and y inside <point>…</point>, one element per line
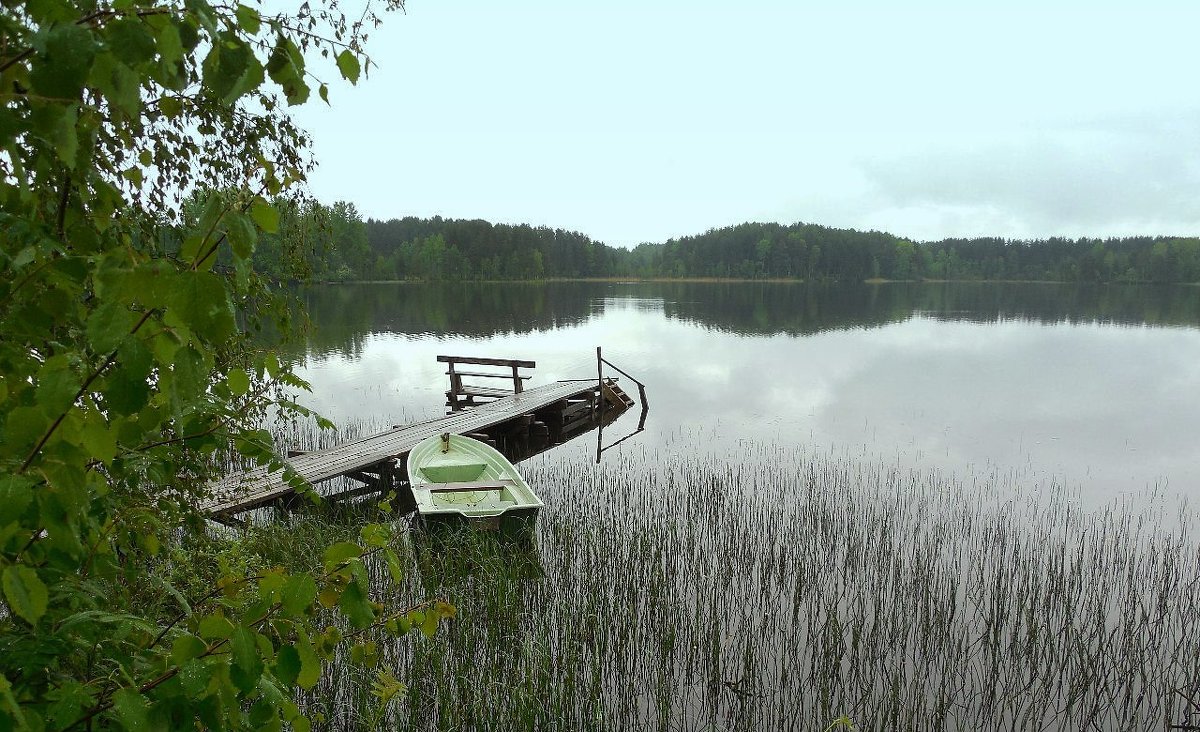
<point>457,481</point>
<point>511,523</point>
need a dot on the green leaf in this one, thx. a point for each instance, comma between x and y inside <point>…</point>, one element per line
<point>24,427</point>
<point>132,710</point>
<point>57,386</point>
<point>286,68</point>
<point>366,654</point>
<point>134,176</point>
<point>25,592</point>
<point>248,19</point>
<point>130,40</point>
<point>238,380</point>
<point>61,66</point>
<point>188,375</point>
<point>339,553</point>
<point>299,594</point>
<point>215,627</point>
<point>195,675</point>
<point>171,107</point>
<point>266,216</point>
<point>375,536</point>
<point>201,302</point>
<point>247,663</point>
<point>288,665</point>
<point>241,234</point>
<point>187,647</point>
<point>15,495</point>
<point>169,42</point>
<point>310,663</point>
<point>99,440</point>
<point>231,69</point>
<point>108,325</point>
<point>429,624</point>
<point>66,136</point>
<point>356,605</point>
<point>128,389</point>
<point>393,565</point>
<point>348,64</point>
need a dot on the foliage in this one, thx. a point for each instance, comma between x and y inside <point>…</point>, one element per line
<point>817,253</point>
<point>126,368</point>
<point>449,249</point>
<point>314,241</point>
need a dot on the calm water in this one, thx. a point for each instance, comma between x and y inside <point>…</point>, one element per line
<point>890,502</point>
<point>1095,389</point>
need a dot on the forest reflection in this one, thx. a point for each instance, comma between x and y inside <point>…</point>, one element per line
<point>345,315</point>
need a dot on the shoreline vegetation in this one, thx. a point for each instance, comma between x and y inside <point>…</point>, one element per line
<point>739,280</point>
<point>336,244</point>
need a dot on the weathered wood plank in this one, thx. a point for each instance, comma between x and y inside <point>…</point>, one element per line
<point>482,391</point>
<point>489,376</point>
<point>488,361</point>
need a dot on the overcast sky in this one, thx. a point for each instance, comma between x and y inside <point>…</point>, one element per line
<point>637,121</point>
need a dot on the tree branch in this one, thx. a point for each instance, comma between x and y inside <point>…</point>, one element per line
<point>82,390</point>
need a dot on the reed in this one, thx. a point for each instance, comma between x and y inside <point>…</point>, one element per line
<point>782,589</point>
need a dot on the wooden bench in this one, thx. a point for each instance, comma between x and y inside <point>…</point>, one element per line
<point>461,395</point>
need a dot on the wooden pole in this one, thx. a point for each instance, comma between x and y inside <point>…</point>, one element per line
<point>600,378</point>
<point>455,387</point>
<point>600,402</point>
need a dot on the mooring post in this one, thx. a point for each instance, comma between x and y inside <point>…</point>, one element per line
<point>600,378</point>
<point>600,403</point>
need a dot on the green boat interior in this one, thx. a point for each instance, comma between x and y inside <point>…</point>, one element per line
<point>454,472</point>
<point>458,475</point>
<point>476,502</point>
<point>484,501</point>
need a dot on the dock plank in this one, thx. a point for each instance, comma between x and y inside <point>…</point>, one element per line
<point>255,488</point>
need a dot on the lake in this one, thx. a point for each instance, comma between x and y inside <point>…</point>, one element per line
<point>924,506</point>
<point>1093,388</point>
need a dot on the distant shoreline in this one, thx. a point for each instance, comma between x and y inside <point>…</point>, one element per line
<point>742,280</point>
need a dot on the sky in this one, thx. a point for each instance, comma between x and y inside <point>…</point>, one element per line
<point>640,121</point>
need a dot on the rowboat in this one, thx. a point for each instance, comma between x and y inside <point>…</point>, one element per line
<point>456,480</point>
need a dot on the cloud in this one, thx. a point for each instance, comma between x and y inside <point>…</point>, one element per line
<point>1123,176</point>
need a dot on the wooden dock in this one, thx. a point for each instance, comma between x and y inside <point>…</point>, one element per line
<point>377,461</point>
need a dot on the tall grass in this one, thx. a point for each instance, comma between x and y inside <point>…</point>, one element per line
<point>778,589</point>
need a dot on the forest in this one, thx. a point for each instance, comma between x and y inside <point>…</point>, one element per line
<point>340,245</point>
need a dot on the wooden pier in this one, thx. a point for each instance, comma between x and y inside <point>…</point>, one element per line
<point>524,421</point>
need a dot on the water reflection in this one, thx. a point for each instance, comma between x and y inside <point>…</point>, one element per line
<point>1048,383</point>
<point>345,314</point>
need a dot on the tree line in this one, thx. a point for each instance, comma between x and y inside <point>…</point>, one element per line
<point>340,245</point>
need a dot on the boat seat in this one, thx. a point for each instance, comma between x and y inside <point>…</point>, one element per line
<point>469,486</point>
<point>450,472</point>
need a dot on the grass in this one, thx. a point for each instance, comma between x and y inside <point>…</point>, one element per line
<point>777,589</point>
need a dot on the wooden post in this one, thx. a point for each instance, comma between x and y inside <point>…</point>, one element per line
<point>600,378</point>
<point>517,387</point>
<point>453,386</point>
<point>600,401</point>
